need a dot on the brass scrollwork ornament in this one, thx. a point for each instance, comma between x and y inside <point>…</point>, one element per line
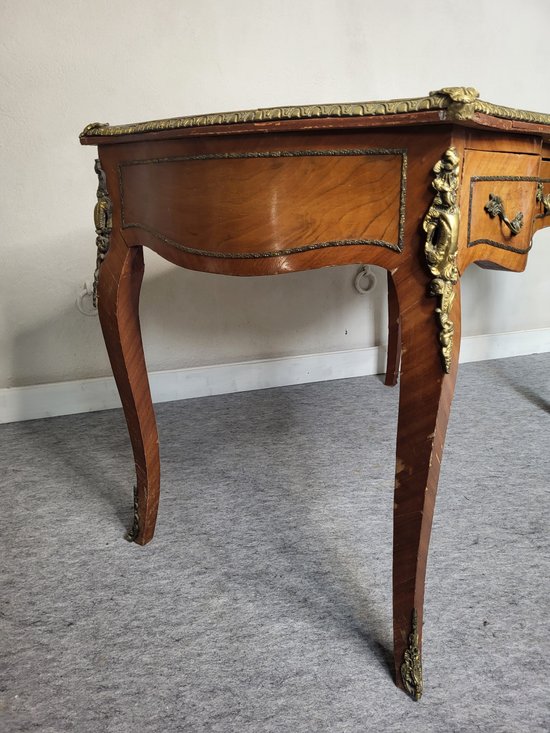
<point>103,220</point>
<point>133,532</point>
<point>441,248</point>
<point>411,667</point>
<point>543,199</point>
<point>495,207</point>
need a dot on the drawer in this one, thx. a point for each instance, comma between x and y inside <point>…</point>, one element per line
<point>501,190</point>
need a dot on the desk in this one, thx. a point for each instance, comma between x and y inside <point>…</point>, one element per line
<point>421,187</point>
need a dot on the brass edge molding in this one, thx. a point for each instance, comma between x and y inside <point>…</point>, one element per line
<point>441,225</point>
<point>398,247</point>
<point>458,103</point>
<point>411,667</point>
<point>492,242</point>
<point>103,220</point>
<point>543,199</point>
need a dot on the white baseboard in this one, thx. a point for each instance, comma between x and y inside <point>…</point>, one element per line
<point>89,395</point>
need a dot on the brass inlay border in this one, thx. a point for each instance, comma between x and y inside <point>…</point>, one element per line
<point>411,667</point>
<point>493,242</point>
<point>398,247</point>
<point>441,225</point>
<point>103,220</point>
<point>457,103</point>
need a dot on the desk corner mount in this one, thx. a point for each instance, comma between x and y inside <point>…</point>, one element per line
<point>441,226</point>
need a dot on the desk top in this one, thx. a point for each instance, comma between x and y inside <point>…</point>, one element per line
<point>450,104</point>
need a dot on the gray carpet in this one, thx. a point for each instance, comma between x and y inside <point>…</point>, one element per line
<point>264,602</point>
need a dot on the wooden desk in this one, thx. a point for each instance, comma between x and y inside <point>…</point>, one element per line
<point>421,187</point>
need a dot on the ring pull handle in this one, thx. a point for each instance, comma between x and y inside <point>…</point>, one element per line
<point>495,207</point>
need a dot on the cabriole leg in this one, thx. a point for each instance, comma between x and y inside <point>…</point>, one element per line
<point>426,392</point>
<point>119,285</point>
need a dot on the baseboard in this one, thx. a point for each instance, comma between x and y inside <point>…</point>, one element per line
<point>89,395</point>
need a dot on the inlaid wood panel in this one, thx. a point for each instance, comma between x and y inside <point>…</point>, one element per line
<point>268,204</point>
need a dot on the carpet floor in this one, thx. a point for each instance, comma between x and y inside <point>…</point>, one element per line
<point>264,602</point>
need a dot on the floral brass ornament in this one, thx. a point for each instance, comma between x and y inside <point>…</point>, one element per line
<point>462,101</point>
<point>441,226</point>
<point>103,220</point>
<point>543,199</point>
<point>411,667</point>
<point>134,530</point>
<point>495,207</point>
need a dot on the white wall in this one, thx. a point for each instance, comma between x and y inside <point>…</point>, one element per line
<point>65,63</point>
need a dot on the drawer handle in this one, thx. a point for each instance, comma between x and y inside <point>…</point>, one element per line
<point>543,199</point>
<point>495,207</point>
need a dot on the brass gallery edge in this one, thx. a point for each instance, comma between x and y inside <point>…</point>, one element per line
<point>397,247</point>
<point>441,226</point>
<point>457,103</point>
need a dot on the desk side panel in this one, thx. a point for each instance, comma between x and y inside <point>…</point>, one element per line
<point>267,204</point>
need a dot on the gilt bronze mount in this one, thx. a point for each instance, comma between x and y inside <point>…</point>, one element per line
<point>103,220</point>
<point>441,226</point>
<point>411,668</point>
<point>543,199</point>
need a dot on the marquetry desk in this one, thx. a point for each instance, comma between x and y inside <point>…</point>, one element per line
<point>421,187</point>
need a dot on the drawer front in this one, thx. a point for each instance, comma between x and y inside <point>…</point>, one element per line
<point>501,190</point>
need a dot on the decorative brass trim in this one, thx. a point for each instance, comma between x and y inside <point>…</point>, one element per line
<point>457,103</point>
<point>543,199</point>
<point>462,102</point>
<point>397,247</point>
<point>93,126</point>
<point>103,220</point>
<point>493,242</point>
<point>441,225</point>
<point>134,530</point>
<point>411,667</point>
<point>495,207</point>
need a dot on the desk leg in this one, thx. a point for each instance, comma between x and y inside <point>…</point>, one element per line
<point>426,393</point>
<point>119,286</point>
<point>394,335</point>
